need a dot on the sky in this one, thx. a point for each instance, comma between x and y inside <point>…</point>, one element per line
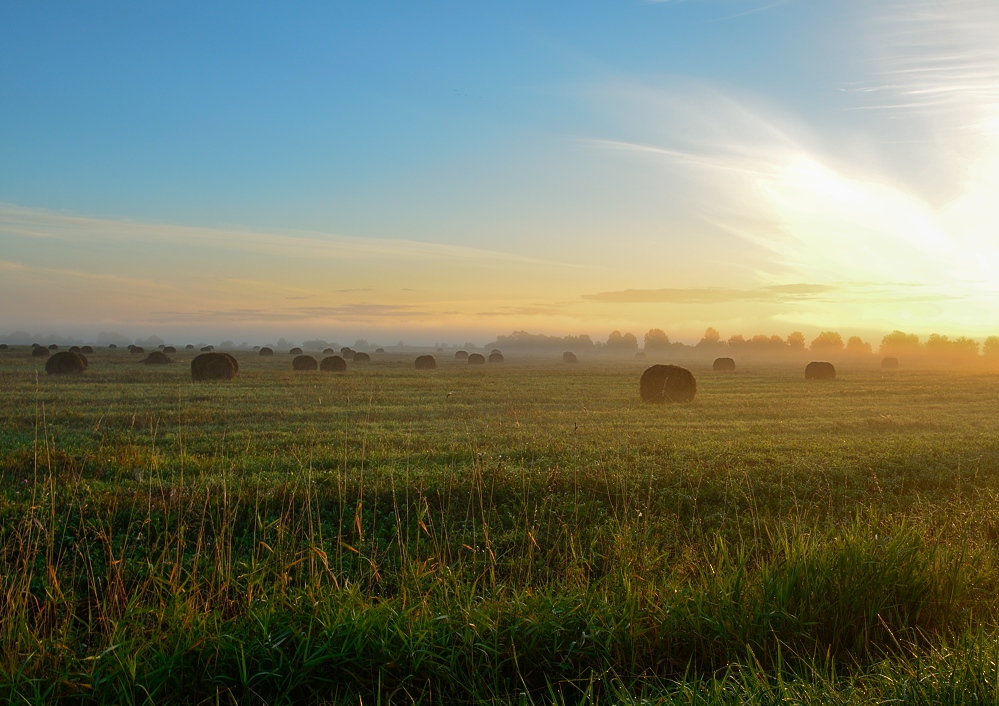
<point>450,171</point>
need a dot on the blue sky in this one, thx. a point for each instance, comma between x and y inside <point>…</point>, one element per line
<point>562,151</point>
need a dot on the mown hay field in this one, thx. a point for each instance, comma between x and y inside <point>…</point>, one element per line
<point>526,532</point>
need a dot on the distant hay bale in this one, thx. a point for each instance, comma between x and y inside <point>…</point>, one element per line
<point>476,359</point>
<point>256,348</point>
<point>329,351</point>
<point>53,347</point>
<point>87,350</point>
<point>461,355</point>
<point>66,363</point>
<point>667,383</point>
<point>723,365</point>
<point>112,346</point>
<point>212,366</point>
<point>161,346</point>
<point>75,349</point>
<point>494,350</point>
<point>40,352</point>
<point>569,357</point>
<point>333,364</point>
<point>210,347</point>
<point>426,362</point>
<point>347,352</point>
<point>206,349</point>
<point>495,357</point>
<point>304,362</point>
<point>232,361</point>
<point>820,371</point>
<point>157,358</point>
<point>640,355</point>
<point>889,363</point>
<point>295,351</point>
<point>131,347</point>
<point>265,351</point>
<point>35,345</point>
<point>169,349</point>
<point>362,358</point>
<point>189,347</point>
<point>137,349</point>
<point>3,346</point>
<point>379,350</point>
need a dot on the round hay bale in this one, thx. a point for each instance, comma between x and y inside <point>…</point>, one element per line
<point>461,355</point>
<point>137,349</point>
<point>157,358</point>
<point>66,363</point>
<point>329,351</point>
<point>295,351</point>
<point>212,366</point>
<point>889,363</point>
<point>35,345</point>
<point>112,346</point>
<point>476,359</point>
<point>640,355</point>
<point>426,362</point>
<point>256,348</point>
<point>667,383</point>
<point>333,364</point>
<point>304,362</point>
<point>495,357</point>
<point>569,357</point>
<point>347,352</point>
<point>161,346</point>
<point>817,370</point>
<point>494,350</point>
<point>265,351</point>
<point>3,346</point>
<point>379,350</point>
<point>169,349</point>
<point>189,347</point>
<point>205,349</point>
<point>75,349</point>
<point>362,358</point>
<point>723,365</point>
<point>87,350</point>
<point>53,347</point>
<point>40,352</point>
<point>131,347</point>
<point>233,361</point>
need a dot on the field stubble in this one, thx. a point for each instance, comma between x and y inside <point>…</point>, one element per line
<point>528,531</point>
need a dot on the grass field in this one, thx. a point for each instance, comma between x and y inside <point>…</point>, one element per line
<point>526,532</point>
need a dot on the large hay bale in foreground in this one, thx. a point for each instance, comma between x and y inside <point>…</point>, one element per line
<point>40,352</point>
<point>266,351</point>
<point>235,363</point>
<point>66,363</point>
<point>362,358</point>
<point>333,364</point>
<point>667,383</point>
<point>169,349</point>
<point>723,365</point>
<point>476,359</point>
<point>304,363</point>
<point>295,351</point>
<point>212,366</point>
<point>889,363</point>
<point>817,370</point>
<point>495,357</point>
<point>87,350</point>
<point>157,358</point>
<point>426,362</point>
<point>461,355</point>
<point>569,357</point>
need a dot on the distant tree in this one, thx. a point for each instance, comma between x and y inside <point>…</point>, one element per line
<point>622,342</point>
<point>990,349</point>
<point>899,343</point>
<point>827,342</point>
<point>736,342</point>
<point>656,340</point>
<point>710,336</point>
<point>796,341</point>
<point>857,346</point>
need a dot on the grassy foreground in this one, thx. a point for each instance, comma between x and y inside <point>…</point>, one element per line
<point>527,532</point>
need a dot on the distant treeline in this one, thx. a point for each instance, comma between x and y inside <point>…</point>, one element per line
<point>828,343</point>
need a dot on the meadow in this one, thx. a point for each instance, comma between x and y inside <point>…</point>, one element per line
<point>524,532</point>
